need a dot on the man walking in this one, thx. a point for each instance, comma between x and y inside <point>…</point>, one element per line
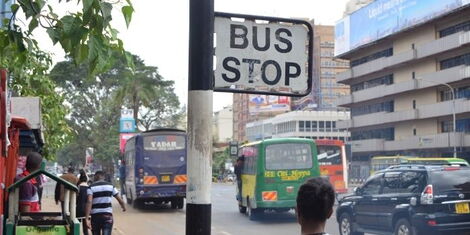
<point>99,206</point>
<point>59,189</point>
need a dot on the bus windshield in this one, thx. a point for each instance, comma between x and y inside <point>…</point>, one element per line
<point>165,149</point>
<point>288,156</point>
<point>329,155</point>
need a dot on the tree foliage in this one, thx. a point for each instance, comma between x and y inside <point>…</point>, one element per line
<point>86,36</point>
<point>95,104</point>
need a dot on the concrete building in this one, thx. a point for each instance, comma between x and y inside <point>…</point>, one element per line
<point>303,124</point>
<point>400,72</point>
<point>223,125</point>
<point>325,90</point>
<point>245,111</point>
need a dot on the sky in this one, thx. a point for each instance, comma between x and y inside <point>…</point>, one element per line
<point>159,31</point>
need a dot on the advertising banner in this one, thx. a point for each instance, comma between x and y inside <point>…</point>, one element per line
<point>268,103</point>
<point>382,18</point>
<point>123,137</point>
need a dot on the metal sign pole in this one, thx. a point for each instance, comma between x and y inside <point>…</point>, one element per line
<point>200,89</point>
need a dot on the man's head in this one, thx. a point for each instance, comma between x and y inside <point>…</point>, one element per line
<point>70,170</point>
<point>33,161</point>
<point>99,175</point>
<point>315,201</point>
<point>240,160</point>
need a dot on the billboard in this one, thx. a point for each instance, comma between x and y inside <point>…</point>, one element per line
<point>382,18</point>
<point>268,103</point>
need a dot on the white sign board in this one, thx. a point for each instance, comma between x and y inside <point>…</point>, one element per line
<point>127,114</point>
<point>265,58</point>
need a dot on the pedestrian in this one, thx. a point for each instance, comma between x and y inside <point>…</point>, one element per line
<point>238,173</point>
<point>122,176</point>
<point>315,201</point>
<point>99,206</point>
<point>82,198</point>
<point>60,190</point>
<point>28,193</point>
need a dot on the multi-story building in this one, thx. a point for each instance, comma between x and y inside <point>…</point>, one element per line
<point>303,124</point>
<point>246,110</point>
<point>406,62</point>
<point>325,89</point>
<point>223,125</point>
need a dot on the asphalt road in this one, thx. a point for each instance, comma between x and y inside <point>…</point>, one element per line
<point>226,219</point>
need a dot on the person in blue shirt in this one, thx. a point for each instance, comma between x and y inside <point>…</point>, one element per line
<point>122,176</point>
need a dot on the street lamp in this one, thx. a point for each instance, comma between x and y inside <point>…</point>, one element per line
<point>453,108</point>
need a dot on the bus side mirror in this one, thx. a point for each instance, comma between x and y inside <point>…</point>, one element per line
<point>357,190</point>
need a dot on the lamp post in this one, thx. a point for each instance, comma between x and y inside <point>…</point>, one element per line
<point>453,109</point>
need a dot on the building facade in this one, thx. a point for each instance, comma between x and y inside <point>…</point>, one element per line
<point>325,89</point>
<point>223,125</point>
<point>303,124</point>
<point>402,83</point>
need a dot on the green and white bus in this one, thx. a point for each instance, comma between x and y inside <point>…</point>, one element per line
<point>272,173</point>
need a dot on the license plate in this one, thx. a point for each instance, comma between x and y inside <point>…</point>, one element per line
<point>462,208</point>
<point>165,178</point>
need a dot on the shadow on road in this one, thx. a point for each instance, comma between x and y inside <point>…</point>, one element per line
<point>150,207</point>
<point>276,218</point>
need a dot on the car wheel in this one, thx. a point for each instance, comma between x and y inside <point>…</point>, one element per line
<point>345,225</point>
<point>403,227</point>
<point>174,203</point>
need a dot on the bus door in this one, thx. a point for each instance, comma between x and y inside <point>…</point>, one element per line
<point>287,166</point>
<point>164,160</point>
<point>331,159</point>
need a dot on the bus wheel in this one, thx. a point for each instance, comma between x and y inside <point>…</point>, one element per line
<point>180,203</point>
<point>174,203</point>
<point>252,213</point>
<point>242,209</point>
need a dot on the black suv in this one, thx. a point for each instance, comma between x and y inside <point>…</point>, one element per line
<point>409,200</point>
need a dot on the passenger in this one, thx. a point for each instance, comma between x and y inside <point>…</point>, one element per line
<point>238,173</point>
<point>59,189</point>
<point>122,177</point>
<point>28,194</point>
<point>99,206</point>
<point>315,201</point>
<point>82,198</point>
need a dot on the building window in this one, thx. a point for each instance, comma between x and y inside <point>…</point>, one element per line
<point>307,126</point>
<point>414,104</point>
<point>385,53</point>
<point>334,125</point>
<point>462,27</point>
<point>301,126</point>
<point>413,75</point>
<point>461,92</point>
<point>314,126</point>
<point>414,131</point>
<point>385,133</point>
<point>455,61</point>
<point>446,126</point>
<point>387,106</point>
<point>328,126</point>
<point>384,80</point>
<point>322,126</point>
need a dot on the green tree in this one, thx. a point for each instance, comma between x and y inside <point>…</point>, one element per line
<point>86,36</point>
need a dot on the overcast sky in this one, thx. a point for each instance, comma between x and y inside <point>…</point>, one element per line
<point>159,31</point>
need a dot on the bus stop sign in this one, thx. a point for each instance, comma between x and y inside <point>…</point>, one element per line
<point>263,55</point>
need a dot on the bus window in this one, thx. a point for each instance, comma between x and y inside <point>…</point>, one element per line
<point>167,149</point>
<point>288,156</point>
<point>329,155</point>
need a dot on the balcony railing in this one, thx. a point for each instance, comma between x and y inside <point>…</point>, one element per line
<point>442,140</point>
<point>444,44</point>
<point>428,80</point>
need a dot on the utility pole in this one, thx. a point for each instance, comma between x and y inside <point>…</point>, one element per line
<point>200,89</point>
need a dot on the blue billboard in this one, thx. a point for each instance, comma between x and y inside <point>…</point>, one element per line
<point>382,18</point>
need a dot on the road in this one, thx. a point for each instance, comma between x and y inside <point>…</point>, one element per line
<point>225,219</point>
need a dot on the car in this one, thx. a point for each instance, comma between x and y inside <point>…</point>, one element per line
<point>409,200</point>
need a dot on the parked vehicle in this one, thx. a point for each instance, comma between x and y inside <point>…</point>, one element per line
<point>409,200</point>
<point>272,173</point>
<point>383,162</point>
